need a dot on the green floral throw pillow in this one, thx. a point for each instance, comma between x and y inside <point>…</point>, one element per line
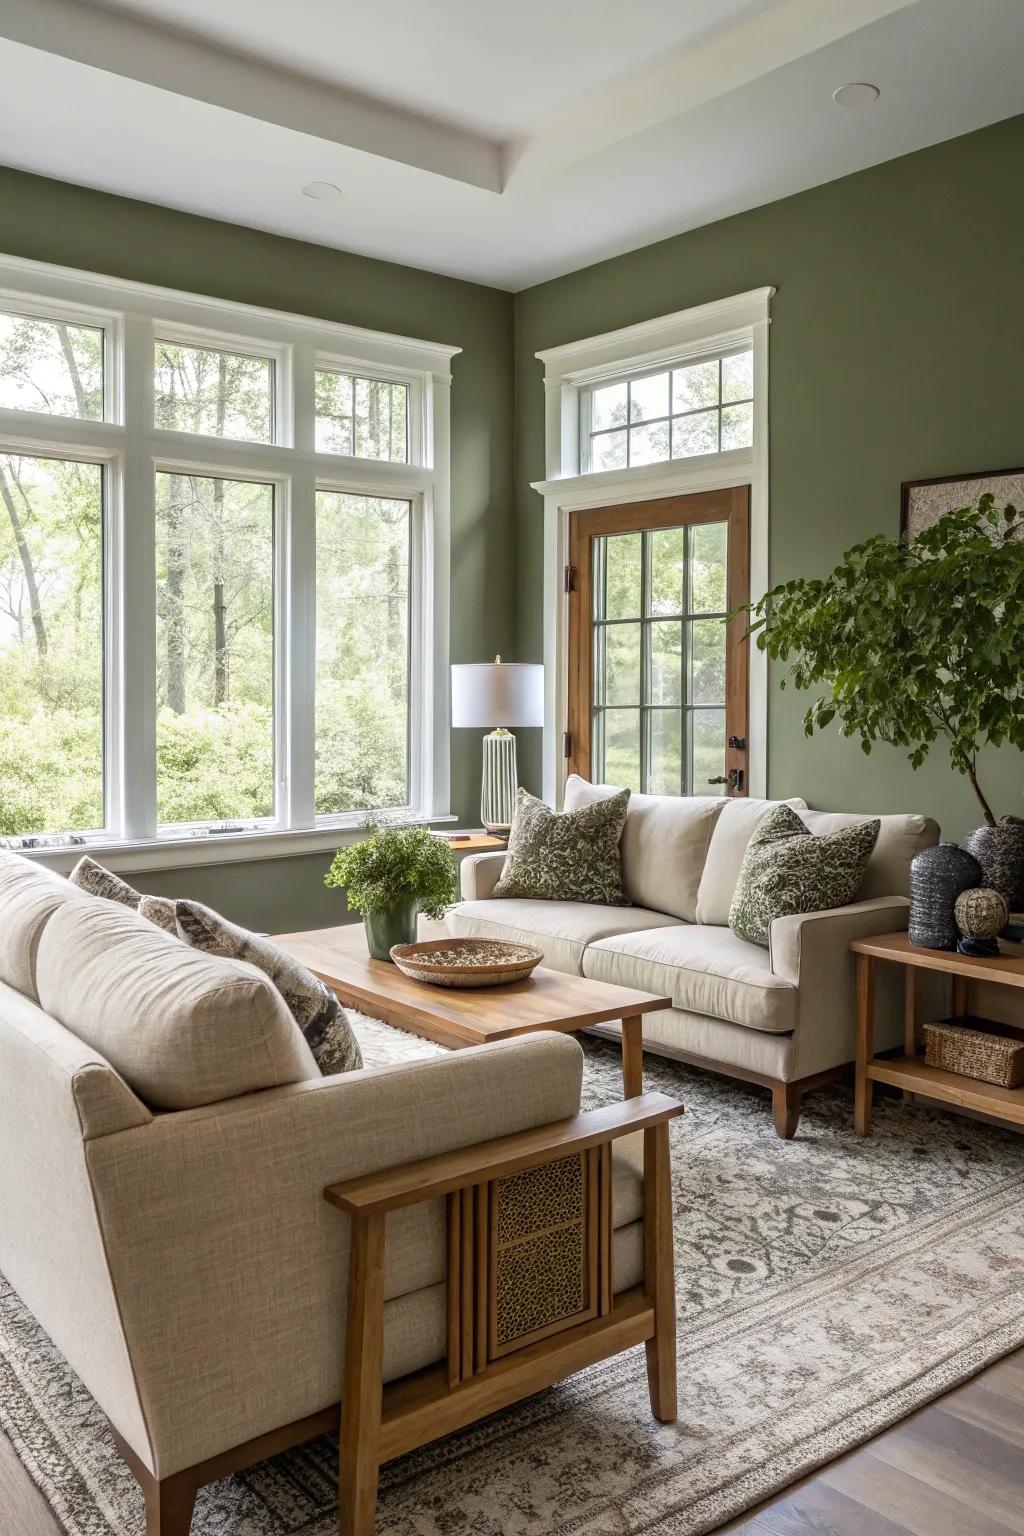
<point>787,869</point>
<point>567,855</point>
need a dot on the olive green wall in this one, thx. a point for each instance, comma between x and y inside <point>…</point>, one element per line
<point>896,352</point>
<point>75,227</point>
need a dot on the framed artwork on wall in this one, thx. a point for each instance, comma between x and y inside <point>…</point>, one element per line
<point>923,502</point>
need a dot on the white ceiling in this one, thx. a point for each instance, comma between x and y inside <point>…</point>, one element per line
<point>499,71</point>
<point>501,143</point>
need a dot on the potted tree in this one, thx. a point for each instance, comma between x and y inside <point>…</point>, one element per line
<point>917,642</point>
<point>390,877</point>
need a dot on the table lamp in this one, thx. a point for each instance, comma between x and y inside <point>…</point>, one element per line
<point>511,692</point>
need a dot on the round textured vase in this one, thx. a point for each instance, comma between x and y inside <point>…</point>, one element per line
<point>1000,852</point>
<point>390,925</point>
<point>937,876</point>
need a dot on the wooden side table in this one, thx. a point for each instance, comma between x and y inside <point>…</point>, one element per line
<point>910,1071</point>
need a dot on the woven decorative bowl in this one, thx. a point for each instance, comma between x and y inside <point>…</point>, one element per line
<point>466,962</point>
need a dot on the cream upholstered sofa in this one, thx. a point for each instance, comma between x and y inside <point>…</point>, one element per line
<point>781,1016</point>
<point>165,1143</point>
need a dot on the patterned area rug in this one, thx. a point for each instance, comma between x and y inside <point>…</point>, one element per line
<point>827,1287</point>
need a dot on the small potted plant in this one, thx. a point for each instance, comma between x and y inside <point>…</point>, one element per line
<point>916,643</point>
<point>390,877</point>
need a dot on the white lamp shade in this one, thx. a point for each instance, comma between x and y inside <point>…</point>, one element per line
<point>491,693</point>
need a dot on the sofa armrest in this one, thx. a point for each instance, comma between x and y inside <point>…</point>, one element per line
<point>818,934</point>
<point>812,951</point>
<point>507,1155</point>
<point>479,875</point>
<point>228,1265</point>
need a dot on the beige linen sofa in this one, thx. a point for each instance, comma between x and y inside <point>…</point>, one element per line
<point>166,1141</point>
<point>781,1016</point>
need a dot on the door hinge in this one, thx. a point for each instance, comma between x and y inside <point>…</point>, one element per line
<point>566,744</point>
<point>569,579</point>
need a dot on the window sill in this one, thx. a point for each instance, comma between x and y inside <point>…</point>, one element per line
<point>220,848</point>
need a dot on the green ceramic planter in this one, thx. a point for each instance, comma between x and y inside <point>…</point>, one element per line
<point>390,925</point>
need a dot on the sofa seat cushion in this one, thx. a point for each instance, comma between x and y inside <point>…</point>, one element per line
<point>562,929</point>
<point>703,970</point>
<point>182,1028</point>
<point>664,844</point>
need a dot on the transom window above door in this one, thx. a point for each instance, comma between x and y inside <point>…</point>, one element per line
<point>694,408</point>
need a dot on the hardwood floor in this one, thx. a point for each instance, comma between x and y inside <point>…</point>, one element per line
<point>955,1468</point>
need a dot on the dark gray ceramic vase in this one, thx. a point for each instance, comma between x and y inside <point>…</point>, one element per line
<point>937,877</point>
<point>390,925</point>
<point>1000,852</point>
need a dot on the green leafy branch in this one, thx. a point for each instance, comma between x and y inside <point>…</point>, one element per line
<point>913,641</point>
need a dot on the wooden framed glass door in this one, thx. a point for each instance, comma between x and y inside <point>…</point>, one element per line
<point>657,697</point>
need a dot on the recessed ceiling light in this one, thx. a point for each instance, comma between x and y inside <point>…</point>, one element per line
<point>321,190</point>
<point>857,94</point>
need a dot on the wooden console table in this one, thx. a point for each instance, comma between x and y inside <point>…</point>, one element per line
<point>910,1071</point>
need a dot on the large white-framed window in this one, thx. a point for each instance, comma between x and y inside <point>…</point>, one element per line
<point>669,406</point>
<point>224,571</point>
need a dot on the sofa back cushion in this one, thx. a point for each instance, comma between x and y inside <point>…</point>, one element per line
<point>900,838</point>
<point>736,825</point>
<point>664,844</point>
<point>181,1027</point>
<point>29,896</point>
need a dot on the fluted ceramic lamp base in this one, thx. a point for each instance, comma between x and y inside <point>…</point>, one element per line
<point>499,782</point>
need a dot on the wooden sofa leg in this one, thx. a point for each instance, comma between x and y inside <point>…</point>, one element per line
<point>659,1273</point>
<point>169,1506</point>
<point>786,1099</point>
<point>361,1386</point>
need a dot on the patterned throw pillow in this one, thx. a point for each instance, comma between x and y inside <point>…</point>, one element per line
<point>567,855</point>
<point>92,878</point>
<point>313,1006</point>
<point>787,869</point>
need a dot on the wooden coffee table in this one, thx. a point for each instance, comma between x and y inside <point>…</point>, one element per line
<point>457,1017</point>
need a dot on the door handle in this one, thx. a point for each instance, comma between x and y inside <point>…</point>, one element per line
<point>734,779</point>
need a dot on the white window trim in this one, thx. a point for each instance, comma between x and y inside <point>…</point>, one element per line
<point>134,316</point>
<point>706,330</point>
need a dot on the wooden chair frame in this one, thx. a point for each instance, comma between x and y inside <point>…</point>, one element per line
<point>485,1369</point>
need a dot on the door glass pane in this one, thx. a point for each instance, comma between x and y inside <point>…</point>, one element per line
<point>621,669</point>
<point>363,546</point>
<point>215,648</point>
<point>217,394</point>
<point>668,570</point>
<point>708,545</point>
<point>665,775</point>
<point>51,645</point>
<point>707,742</point>
<point>659,658</point>
<point>47,365</point>
<point>707,661</point>
<point>618,595</point>
<point>621,764</point>
<point>666,684</point>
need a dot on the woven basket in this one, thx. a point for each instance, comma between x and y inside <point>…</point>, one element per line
<point>466,962</point>
<point>974,1051</point>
